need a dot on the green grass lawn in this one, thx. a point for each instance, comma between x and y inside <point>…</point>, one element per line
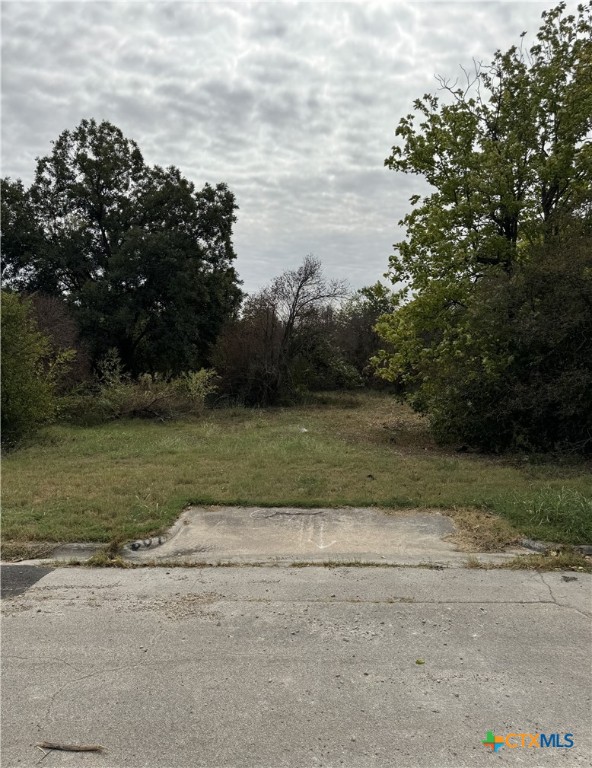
<point>132,478</point>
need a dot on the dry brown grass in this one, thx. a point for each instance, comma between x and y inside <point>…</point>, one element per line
<point>480,531</point>
<point>376,419</point>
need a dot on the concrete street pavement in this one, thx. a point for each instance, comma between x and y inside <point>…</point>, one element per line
<point>276,666</point>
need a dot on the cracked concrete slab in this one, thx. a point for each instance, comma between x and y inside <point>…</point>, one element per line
<point>291,667</point>
<point>280,534</point>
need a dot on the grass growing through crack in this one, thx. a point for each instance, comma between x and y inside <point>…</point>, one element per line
<point>132,478</point>
<point>565,560</point>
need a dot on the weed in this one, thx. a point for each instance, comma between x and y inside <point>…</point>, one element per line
<point>110,556</point>
<point>561,514</point>
<point>552,561</point>
<point>103,559</point>
<point>131,479</point>
<point>473,562</point>
<point>564,560</point>
<point>565,508</point>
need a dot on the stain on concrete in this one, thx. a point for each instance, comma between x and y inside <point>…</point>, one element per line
<point>16,579</point>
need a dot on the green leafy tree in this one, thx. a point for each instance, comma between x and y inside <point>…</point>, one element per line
<point>354,333</point>
<point>509,159</point>
<point>21,236</point>
<point>512,368</point>
<point>144,258</point>
<point>27,389</point>
<point>508,155</point>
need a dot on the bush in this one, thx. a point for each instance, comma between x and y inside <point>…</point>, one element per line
<point>56,321</point>
<point>27,386</point>
<point>505,363</point>
<point>258,367</point>
<point>527,381</point>
<point>115,395</point>
<point>318,365</point>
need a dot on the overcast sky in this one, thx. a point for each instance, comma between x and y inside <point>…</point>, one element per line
<point>293,105</point>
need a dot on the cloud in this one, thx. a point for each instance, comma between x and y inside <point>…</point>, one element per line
<point>293,105</point>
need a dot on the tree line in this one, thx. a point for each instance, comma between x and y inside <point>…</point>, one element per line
<point>120,294</point>
<point>488,330</point>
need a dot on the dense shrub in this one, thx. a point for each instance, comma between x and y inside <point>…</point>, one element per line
<point>247,355</point>
<point>115,395</point>
<point>354,330</point>
<point>507,363</point>
<point>56,320</point>
<point>318,364</point>
<point>27,384</point>
<point>296,336</point>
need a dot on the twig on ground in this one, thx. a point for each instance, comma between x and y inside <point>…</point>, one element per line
<point>70,747</point>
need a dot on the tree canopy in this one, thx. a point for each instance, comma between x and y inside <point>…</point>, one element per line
<point>507,152</point>
<point>492,338</point>
<point>143,257</point>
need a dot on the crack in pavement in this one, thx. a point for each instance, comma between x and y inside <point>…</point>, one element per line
<point>587,614</point>
<point>207,597</point>
<point>54,659</point>
<point>40,658</point>
<point>287,513</point>
<point>86,677</point>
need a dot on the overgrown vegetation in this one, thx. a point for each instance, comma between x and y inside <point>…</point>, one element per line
<point>14,551</point>
<point>549,510</point>
<point>114,394</point>
<point>127,293</point>
<point>511,365</point>
<point>132,478</point>
<point>564,560</point>
<point>29,372</point>
<point>280,346</point>
<point>301,334</point>
<point>494,337</point>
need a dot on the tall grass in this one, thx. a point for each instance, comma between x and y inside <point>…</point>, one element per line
<point>132,478</point>
<point>554,514</point>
